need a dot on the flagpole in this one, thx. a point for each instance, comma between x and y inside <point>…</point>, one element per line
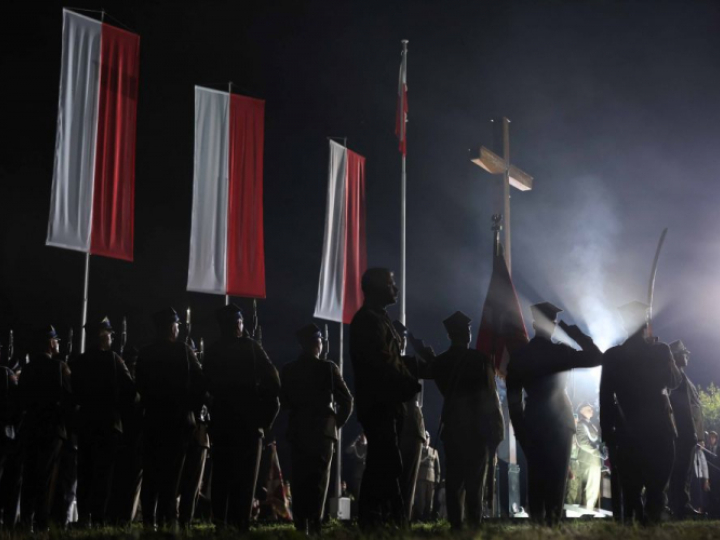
<point>338,452</point>
<point>403,204</point>
<point>85,302</point>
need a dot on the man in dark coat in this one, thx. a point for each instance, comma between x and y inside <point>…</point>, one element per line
<point>244,387</point>
<point>544,422</point>
<point>319,402</point>
<point>688,414</point>
<point>46,398</point>
<point>10,462</point>
<point>170,382</point>
<point>636,417</point>
<point>382,385</point>
<point>472,422</point>
<point>102,385</point>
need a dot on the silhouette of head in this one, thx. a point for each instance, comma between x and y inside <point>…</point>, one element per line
<point>378,286</point>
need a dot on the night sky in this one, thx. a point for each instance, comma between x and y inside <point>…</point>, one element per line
<point>615,112</point>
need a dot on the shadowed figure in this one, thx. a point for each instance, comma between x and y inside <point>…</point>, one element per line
<point>543,420</point>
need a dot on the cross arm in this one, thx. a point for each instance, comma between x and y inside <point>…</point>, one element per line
<point>494,164</point>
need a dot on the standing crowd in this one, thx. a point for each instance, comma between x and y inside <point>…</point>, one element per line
<point>136,430</point>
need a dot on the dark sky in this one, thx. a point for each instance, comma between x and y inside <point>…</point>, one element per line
<point>614,108</point>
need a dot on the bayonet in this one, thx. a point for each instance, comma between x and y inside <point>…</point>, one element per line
<point>123,336</point>
<point>653,275</point>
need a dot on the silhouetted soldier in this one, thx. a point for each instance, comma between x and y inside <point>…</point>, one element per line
<point>170,382</point>
<point>382,385</point>
<point>10,463</point>
<point>428,479</point>
<point>194,468</point>
<point>101,386</point>
<point>358,452</point>
<point>45,394</point>
<point>636,417</point>
<point>244,387</point>
<point>472,422</point>
<point>412,437</point>
<point>544,423</point>
<point>688,414</point>
<point>319,402</point>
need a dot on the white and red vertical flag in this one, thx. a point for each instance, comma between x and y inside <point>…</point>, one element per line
<point>227,251</point>
<point>402,105</point>
<point>344,258</point>
<point>93,190</point>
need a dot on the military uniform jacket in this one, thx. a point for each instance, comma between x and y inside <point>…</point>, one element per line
<point>309,386</point>
<point>169,379</point>
<point>102,386</point>
<point>244,387</point>
<point>539,369</point>
<point>46,397</point>
<point>687,411</point>
<point>381,377</point>
<point>637,376</point>
<point>588,442</point>
<point>466,379</point>
<point>429,465</point>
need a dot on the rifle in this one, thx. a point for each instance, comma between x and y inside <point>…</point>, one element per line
<point>10,348</point>
<point>325,344</point>
<point>651,286</point>
<point>255,331</point>
<point>188,328</point>
<point>201,351</point>
<point>123,336</point>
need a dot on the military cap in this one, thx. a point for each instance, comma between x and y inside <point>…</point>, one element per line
<point>166,316</point>
<point>634,313</point>
<point>583,405</point>
<point>545,311</point>
<point>98,327</point>
<point>457,322</point>
<point>47,332</point>
<point>229,314</point>
<point>678,347</point>
<point>400,328</point>
<point>308,333</point>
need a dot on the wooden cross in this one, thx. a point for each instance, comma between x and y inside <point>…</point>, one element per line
<point>512,175</point>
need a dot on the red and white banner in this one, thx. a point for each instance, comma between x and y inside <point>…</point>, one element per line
<point>227,252</point>
<point>344,258</point>
<point>93,190</point>
<point>402,105</point>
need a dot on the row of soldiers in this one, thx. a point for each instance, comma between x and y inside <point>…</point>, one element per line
<point>648,438</point>
<point>144,426</point>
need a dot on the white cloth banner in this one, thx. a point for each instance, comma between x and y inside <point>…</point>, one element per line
<point>207,270</point>
<point>331,290</point>
<point>71,199</point>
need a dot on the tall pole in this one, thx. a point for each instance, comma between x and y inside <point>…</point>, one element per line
<point>338,450</point>
<point>506,190</point>
<point>403,204</point>
<point>85,302</point>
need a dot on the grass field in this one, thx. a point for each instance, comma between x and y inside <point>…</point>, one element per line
<point>580,530</point>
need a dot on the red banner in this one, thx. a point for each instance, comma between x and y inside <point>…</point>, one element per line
<point>355,246</point>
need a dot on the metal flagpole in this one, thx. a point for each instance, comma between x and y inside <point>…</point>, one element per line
<point>403,184</point>
<point>338,452</point>
<point>85,302</point>
<point>230,84</point>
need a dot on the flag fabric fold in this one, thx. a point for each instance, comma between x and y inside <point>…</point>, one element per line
<point>344,256</point>
<point>502,328</point>
<point>93,189</point>
<point>227,254</point>
<point>402,106</point>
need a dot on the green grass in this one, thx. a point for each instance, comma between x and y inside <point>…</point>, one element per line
<point>575,530</point>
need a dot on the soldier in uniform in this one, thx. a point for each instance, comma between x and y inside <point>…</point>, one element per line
<point>688,414</point>
<point>589,458</point>
<point>358,451</point>
<point>472,422</point>
<point>636,417</point>
<point>382,385</point>
<point>45,395</point>
<point>319,403</point>
<point>10,465</point>
<point>102,385</point>
<point>170,382</point>
<point>428,479</point>
<point>244,387</point>
<point>544,421</point>
<point>413,435</point>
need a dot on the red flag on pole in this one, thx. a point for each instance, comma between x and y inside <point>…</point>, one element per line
<point>402,103</point>
<point>502,328</point>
